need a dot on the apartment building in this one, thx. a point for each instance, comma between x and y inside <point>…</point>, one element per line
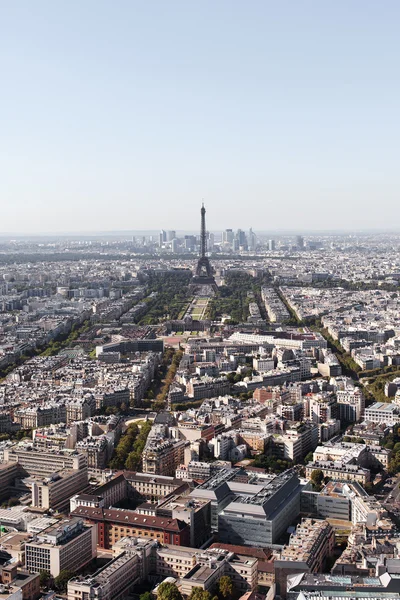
<point>296,441</point>
<point>148,487</point>
<point>97,450</point>
<point>194,470</point>
<point>254,440</point>
<point>195,512</point>
<point>312,542</point>
<point>6,423</point>
<point>113,490</point>
<point>208,388</point>
<point>339,471</point>
<point>31,417</point>
<point>80,409</point>
<point>351,403</point>
<point>308,548</point>
<point>163,457</point>
<point>13,577</point>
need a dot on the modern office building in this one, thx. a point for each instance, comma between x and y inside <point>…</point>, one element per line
<point>55,491</point>
<point>67,545</point>
<point>8,473</point>
<point>44,463</point>
<point>258,515</point>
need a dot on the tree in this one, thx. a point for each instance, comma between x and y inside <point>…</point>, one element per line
<point>317,477</point>
<point>158,405</point>
<point>146,596</point>
<point>394,464</point>
<point>198,593</point>
<point>168,591</point>
<point>13,501</point>
<point>369,487</point>
<point>61,581</point>
<point>131,461</point>
<point>225,587</point>
<point>308,458</point>
<point>44,578</point>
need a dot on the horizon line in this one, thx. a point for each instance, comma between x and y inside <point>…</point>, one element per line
<point>109,232</point>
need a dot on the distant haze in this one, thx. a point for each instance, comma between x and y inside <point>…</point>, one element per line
<point>124,115</point>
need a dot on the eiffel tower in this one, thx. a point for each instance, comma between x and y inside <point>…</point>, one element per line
<point>203,283</point>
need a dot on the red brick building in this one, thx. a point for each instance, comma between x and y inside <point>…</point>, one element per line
<point>114,524</point>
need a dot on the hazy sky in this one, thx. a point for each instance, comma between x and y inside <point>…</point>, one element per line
<point>125,114</point>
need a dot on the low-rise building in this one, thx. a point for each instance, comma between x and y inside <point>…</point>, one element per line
<point>339,471</point>
<point>383,412</point>
<point>148,487</point>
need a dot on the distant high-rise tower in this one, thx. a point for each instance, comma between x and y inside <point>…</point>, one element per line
<point>300,241</point>
<point>227,236</point>
<point>241,239</point>
<point>252,239</point>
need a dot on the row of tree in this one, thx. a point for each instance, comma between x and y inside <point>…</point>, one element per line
<point>128,453</point>
<point>377,387</point>
<point>169,378</point>
<point>172,293</point>
<point>348,364</point>
<point>232,298</point>
<point>64,340</point>
<point>392,442</point>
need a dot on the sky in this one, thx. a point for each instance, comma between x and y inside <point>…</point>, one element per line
<point>122,115</point>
